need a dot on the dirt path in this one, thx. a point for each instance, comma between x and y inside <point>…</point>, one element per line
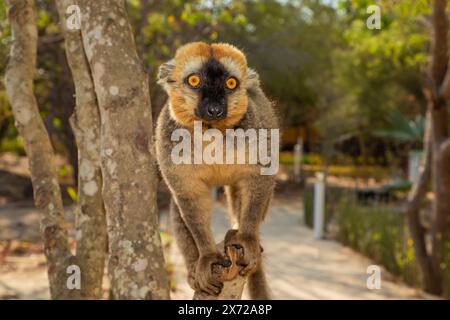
<point>298,267</point>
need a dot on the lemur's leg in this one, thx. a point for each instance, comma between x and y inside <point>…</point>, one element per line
<point>234,205</point>
<point>194,201</point>
<point>255,194</point>
<point>185,242</point>
<point>258,287</point>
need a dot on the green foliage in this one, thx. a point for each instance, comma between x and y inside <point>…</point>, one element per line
<point>402,129</point>
<point>317,60</point>
<point>375,72</point>
<point>380,233</point>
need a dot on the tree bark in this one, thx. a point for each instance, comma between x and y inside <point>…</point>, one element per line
<point>91,221</point>
<point>47,194</point>
<point>440,230</point>
<point>439,74</point>
<point>136,262</point>
<point>416,228</point>
<point>437,161</point>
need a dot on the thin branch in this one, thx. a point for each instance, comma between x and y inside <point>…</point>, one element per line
<point>85,122</point>
<point>44,176</point>
<point>415,198</point>
<point>50,39</point>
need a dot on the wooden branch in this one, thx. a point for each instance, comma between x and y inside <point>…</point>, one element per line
<point>415,198</point>
<point>85,122</point>
<point>44,176</point>
<point>50,39</point>
<point>437,108</point>
<point>233,283</point>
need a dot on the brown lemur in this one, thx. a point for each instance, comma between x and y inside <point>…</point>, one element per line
<point>212,84</point>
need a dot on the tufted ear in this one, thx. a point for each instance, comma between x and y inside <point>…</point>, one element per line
<point>165,72</point>
<point>252,78</point>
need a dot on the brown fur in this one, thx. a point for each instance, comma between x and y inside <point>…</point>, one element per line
<point>248,192</point>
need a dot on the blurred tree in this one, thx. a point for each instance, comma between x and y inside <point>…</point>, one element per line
<point>47,193</point>
<point>53,87</point>
<point>289,43</point>
<point>438,93</point>
<point>374,72</point>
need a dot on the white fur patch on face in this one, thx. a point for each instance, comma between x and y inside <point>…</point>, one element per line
<point>232,67</point>
<point>193,66</point>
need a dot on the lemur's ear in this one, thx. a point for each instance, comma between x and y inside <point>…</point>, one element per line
<point>252,78</point>
<point>165,72</point>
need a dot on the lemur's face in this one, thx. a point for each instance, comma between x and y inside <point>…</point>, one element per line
<point>208,83</point>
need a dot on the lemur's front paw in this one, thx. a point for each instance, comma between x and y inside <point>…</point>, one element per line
<point>208,273</point>
<point>250,256</point>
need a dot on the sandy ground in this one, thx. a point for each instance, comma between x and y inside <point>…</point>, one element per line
<point>298,267</point>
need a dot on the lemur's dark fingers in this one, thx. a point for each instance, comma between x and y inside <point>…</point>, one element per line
<point>215,285</point>
<point>215,282</point>
<point>210,290</point>
<point>247,269</point>
<point>209,287</point>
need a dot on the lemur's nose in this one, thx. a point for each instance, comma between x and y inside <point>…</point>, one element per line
<point>214,111</point>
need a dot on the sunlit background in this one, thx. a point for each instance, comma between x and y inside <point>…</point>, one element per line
<point>350,98</point>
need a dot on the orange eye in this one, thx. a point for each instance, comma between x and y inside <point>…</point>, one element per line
<point>194,80</point>
<point>231,83</point>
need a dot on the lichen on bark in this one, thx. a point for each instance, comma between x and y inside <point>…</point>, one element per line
<point>85,122</point>
<point>128,168</point>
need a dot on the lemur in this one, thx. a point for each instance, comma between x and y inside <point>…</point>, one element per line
<point>212,84</point>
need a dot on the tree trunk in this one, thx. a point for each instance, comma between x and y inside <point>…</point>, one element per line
<point>47,194</point>
<point>136,262</point>
<point>439,76</point>
<point>431,283</point>
<point>91,222</point>
<point>441,189</point>
<point>433,264</point>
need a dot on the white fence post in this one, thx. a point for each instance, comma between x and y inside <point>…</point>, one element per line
<point>298,154</point>
<point>319,205</point>
<point>414,164</point>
